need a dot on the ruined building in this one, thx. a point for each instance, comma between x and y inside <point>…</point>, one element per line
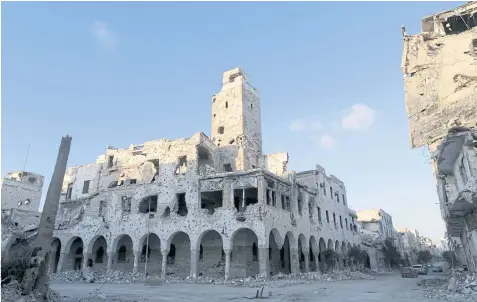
<point>440,79</point>
<point>22,190</point>
<point>203,205</point>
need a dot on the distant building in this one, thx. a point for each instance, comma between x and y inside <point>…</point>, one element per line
<point>410,244</point>
<point>22,190</point>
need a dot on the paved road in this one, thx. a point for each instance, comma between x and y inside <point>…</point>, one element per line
<point>389,287</point>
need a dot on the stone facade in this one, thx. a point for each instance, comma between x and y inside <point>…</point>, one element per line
<point>22,190</point>
<point>410,244</point>
<point>203,206</point>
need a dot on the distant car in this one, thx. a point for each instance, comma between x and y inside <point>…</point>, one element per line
<point>437,269</point>
<point>420,269</point>
<point>408,272</point>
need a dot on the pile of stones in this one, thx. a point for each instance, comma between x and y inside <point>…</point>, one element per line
<point>457,287</point>
<point>279,280</point>
<point>11,292</point>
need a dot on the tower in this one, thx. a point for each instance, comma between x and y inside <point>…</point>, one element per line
<point>236,119</point>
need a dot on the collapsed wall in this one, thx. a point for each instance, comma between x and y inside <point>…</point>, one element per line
<point>440,75</point>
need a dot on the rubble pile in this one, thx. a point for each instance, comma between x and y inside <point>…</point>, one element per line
<point>458,287</point>
<point>279,280</point>
<point>12,292</point>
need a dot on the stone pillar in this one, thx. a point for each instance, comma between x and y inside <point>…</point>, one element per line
<point>307,261</point>
<point>294,261</point>
<point>137,257</point>
<point>86,256</point>
<point>317,263</point>
<point>228,194</point>
<point>262,190</point>
<point>111,257</point>
<point>164,263</point>
<point>63,256</point>
<point>263,261</point>
<point>227,263</point>
<point>194,262</point>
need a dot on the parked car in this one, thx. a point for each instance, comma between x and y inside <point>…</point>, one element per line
<point>408,272</point>
<point>437,269</point>
<point>420,269</point>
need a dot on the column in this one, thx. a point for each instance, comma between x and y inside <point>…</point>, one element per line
<point>263,261</point>
<point>111,256</point>
<point>63,256</point>
<point>317,263</point>
<point>137,257</point>
<point>307,261</point>
<point>86,256</point>
<point>294,263</point>
<point>164,263</point>
<point>227,263</point>
<point>262,190</point>
<point>194,261</point>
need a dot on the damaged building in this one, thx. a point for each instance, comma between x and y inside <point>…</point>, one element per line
<point>440,79</point>
<point>204,205</point>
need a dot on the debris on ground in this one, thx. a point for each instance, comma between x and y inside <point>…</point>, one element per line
<point>279,280</point>
<point>12,292</point>
<point>457,287</point>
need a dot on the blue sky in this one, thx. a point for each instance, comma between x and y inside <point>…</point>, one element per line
<point>121,73</point>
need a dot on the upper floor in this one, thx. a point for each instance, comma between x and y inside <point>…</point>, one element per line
<point>22,190</point>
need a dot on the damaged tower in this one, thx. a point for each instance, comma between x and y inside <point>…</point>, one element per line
<point>203,206</point>
<point>440,79</point>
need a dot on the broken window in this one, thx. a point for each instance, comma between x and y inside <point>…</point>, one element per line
<point>228,168</point>
<point>324,188</point>
<point>69,191</point>
<point>31,180</point>
<point>459,23</point>
<point>122,254</point>
<point>132,181</point>
<point>211,201</point>
<point>226,104</point>
<point>327,217</point>
<point>341,222</point>
<point>255,252</point>
<point>181,204</point>
<point>351,226</point>
<point>148,205</point>
<point>171,257</point>
<point>271,193</point>
<point>334,220</point>
<point>287,202</point>
<point>220,130</point>
<point>337,197</point>
<point>344,200</point>
<point>99,255</point>
<point>126,204</point>
<point>86,187</point>
<point>346,223</point>
<point>283,202</point>
<point>319,214</point>
<point>244,198</point>
<point>310,211</point>
<point>331,192</point>
<point>182,166</point>
<point>110,161</point>
<point>102,206</point>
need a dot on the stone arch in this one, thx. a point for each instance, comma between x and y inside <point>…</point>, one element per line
<point>285,253</point>
<point>97,251</point>
<point>55,255</point>
<point>74,248</point>
<point>321,257</point>
<point>337,247</point>
<point>275,244</point>
<point>244,257</point>
<point>367,260</point>
<point>178,258</point>
<point>211,254</point>
<point>123,257</point>
<point>302,248</point>
<point>313,254</point>
<point>149,249</point>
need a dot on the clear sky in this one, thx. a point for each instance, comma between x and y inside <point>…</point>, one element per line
<point>125,73</point>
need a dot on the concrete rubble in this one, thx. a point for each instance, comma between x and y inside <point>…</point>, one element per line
<point>13,292</point>
<point>279,280</point>
<point>458,287</point>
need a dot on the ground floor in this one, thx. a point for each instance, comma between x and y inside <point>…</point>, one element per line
<point>212,253</point>
<point>388,287</point>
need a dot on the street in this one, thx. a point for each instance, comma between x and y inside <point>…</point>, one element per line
<point>387,287</point>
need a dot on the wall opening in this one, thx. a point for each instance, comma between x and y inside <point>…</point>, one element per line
<point>148,204</point>
<point>228,167</point>
<point>99,255</point>
<point>69,191</point>
<point>181,205</point>
<point>271,193</point>
<point>182,165</point>
<point>126,204</point>
<point>86,186</point>
<point>220,130</point>
<point>211,201</point>
<point>300,203</point>
<point>110,161</point>
<point>244,198</point>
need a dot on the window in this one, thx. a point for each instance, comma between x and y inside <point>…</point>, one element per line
<point>31,180</point>
<point>132,181</point>
<point>110,161</point>
<point>319,214</point>
<point>86,187</point>
<point>324,189</point>
<point>226,104</point>
<point>220,130</point>
<point>463,172</point>
<point>227,167</point>
<point>341,222</point>
<point>337,197</point>
<point>331,192</point>
<point>69,191</point>
<point>251,106</point>
<point>327,217</point>
<point>182,165</point>
<point>344,200</point>
<point>334,219</point>
<point>346,222</point>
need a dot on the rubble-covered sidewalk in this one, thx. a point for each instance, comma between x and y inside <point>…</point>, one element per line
<point>459,287</point>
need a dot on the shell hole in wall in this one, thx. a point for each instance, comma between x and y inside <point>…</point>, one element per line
<point>226,104</point>
<point>220,130</point>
